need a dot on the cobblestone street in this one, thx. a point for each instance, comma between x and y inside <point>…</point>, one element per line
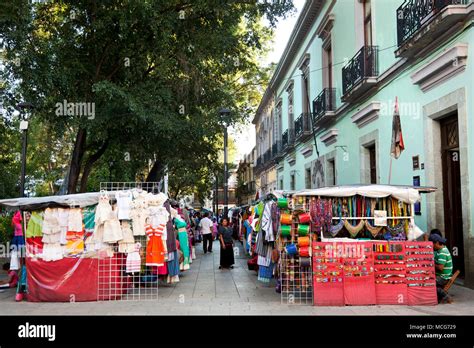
<point>206,290</point>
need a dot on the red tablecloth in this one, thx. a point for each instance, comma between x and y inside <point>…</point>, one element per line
<point>70,279</point>
<point>416,262</point>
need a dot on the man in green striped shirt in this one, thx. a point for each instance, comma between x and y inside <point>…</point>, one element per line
<point>443,265</point>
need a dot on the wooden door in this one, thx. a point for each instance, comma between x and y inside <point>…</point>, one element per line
<point>452,190</point>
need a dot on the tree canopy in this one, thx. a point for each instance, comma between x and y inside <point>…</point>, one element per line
<point>155,73</point>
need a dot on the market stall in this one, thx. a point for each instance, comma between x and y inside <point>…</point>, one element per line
<point>364,232</point>
<point>107,245</point>
<point>362,247</point>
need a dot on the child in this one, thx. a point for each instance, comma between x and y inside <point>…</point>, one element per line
<point>12,280</point>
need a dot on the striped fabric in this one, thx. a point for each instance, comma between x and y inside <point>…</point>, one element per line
<point>265,273</point>
<point>260,247</point>
<point>443,257</point>
<point>133,262</point>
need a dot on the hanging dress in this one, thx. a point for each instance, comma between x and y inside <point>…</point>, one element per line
<point>124,201</point>
<point>155,254</point>
<point>112,228</point>
<point>134,261</point>
<point>139,215</point>
<point>18,238</point>
<point>183,245</point>
<point>34,234</point>
<point>127,244</point>
<point>52,249</point>
<point>102,212</point>
<point>63,216</point>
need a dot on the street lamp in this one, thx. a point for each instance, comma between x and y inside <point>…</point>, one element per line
<point>216,196</point>
<point>24,128</point>
<point>224,114</point>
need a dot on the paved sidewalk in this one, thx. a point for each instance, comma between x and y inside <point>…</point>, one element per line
<point>206,290</point>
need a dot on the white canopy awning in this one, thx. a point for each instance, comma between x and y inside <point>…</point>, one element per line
<point>406,194</point>
<point>77,200</point>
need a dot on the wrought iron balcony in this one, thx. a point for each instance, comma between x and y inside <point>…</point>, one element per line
<point>267,156</point>
<point>258,165</point>
<point>302,126</point>
<point>288,139</point>
<point>414,19</point>
<point>251,186</point>
<point>360,73</point>
<point>276,149</point>
<point>291,138</point>
<point>324,106</point>
<point>284,139</point>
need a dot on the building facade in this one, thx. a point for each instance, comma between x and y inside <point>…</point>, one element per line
<point>268,145</point>
<point>246,189</point>
<point>334,93</point>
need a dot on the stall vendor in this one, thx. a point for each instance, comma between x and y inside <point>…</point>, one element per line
<point>443,265</point>
<point>12,280</point>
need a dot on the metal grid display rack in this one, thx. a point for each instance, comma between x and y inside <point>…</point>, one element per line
<point>114,284</point>
<point>296,279</point>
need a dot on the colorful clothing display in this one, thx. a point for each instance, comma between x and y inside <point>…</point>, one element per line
<point>136,236</point>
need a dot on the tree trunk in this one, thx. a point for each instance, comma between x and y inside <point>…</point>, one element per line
<point>156,172</point>
<point>90,163</point>
<point>177,192</point>
<point>76,160</point>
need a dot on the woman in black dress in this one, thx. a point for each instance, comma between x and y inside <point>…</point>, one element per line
<point>227,245</point>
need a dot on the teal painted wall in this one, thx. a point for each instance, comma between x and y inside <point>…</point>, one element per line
<point>410,96</point>
<point>346,42</point>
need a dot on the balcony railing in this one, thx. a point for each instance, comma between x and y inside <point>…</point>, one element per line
<point>284,139</point>
<point>302,125</point>
<point>288,139</point>
<point>276,148</point>
<point>362,66</point>
<point>267,156</point>
<point>251,187</point>
<point>324,103</point>
<point>259,165</point>
<point>291,137</point>
<point>412,14</point>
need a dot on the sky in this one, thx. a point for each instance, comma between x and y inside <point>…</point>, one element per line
<point>245,135</point>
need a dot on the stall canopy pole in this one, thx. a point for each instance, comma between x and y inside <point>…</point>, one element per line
<point>390,171</point>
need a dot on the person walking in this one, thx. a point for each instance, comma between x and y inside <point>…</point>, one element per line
<point>206,225</point>
<point>215,228</point>
<point>227,245</point>
<point>197,228</point>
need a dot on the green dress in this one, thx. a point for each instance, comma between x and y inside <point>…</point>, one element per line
<point>183,242</point>
<point>35,225</point>
<point>89,217</point>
